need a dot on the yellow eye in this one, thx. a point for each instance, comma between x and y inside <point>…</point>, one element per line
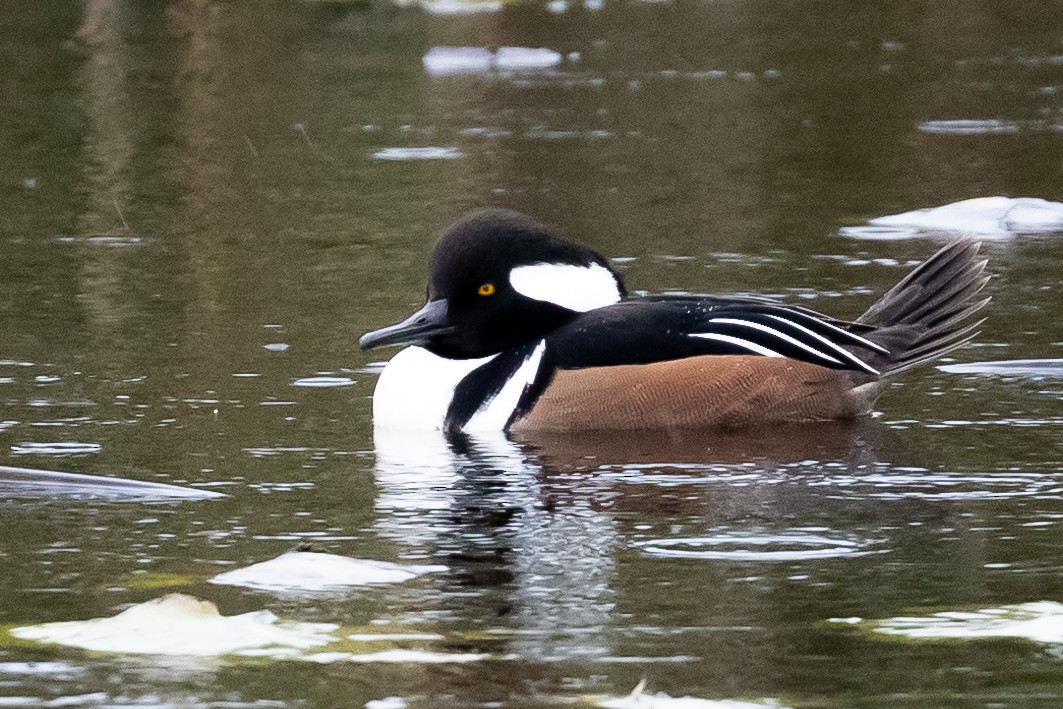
<point>487,289</point>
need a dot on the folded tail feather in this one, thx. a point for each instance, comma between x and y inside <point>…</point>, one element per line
<point>925,316</point>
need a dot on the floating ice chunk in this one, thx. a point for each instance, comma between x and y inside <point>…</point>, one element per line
<point>523,58</point>
<point>969,127</point>
<point>300,571</point>
<point>443,61</point>
<point>423,657</point>
<point>323,382</point>
<point>638,699</point>
<point>1034,215</point>
<point>30,483</point>
<point>429,152</point>
<point>387,703</point>
<point>58,448</point>
<point>879,233</point>
<point>71,700</point>
<point>460,7</point>
<point>1040,621</point>
<point>47,669</point>
<point>101,240</point>
<point>663,701</point>
<point>1033,368</point>
<point>986,217</point>
<point>177,624</point>
<point>747,547</point>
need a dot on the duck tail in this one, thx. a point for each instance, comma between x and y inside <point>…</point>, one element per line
<point>927,315</point>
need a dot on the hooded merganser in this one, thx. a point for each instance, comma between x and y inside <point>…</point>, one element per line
<point>522,330</point>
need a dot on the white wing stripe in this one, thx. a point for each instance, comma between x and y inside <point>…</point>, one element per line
<point>780,335</point>
<point>833,345</point>
<point>738,342</point>
<point>850,335</point>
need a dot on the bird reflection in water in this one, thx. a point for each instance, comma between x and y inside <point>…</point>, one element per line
<point>533,527</point>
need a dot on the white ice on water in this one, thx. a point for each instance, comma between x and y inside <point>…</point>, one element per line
<point>443,61</point>
<point>298,571</point>
<point>1039,621</point>
<point>984,217</point>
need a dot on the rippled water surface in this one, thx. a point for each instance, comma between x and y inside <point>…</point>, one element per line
<point>205,203</point>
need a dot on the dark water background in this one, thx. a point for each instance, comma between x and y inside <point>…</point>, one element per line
<point>197,216</point>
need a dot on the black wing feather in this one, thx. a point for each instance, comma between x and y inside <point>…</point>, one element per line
<point>659,329</point>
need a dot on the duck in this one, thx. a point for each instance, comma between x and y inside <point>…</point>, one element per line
<point>522,330</point>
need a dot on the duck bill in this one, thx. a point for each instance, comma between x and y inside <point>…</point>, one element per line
<point>418,329</point>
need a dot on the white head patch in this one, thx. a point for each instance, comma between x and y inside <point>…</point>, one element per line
<point>578,288</point>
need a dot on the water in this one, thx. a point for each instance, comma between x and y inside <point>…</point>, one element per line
<point>204,204</point>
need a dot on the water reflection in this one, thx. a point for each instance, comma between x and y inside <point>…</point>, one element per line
<point>553,542</point>
<point>677,448</point>
<point>480,503</point>
<point>535,527</point>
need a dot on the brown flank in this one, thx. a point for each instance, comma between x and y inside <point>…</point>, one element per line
<point>695,392</point>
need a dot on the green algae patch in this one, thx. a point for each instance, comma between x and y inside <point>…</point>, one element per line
<point>153,581</point>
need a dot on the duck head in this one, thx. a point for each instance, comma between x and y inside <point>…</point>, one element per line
<point>498,280</point>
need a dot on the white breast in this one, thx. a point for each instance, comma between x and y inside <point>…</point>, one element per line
<point>416,387</point>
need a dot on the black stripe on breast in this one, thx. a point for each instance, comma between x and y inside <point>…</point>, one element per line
<point>480,386</point>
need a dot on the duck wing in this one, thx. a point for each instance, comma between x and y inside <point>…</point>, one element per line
<point>659,329</point>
